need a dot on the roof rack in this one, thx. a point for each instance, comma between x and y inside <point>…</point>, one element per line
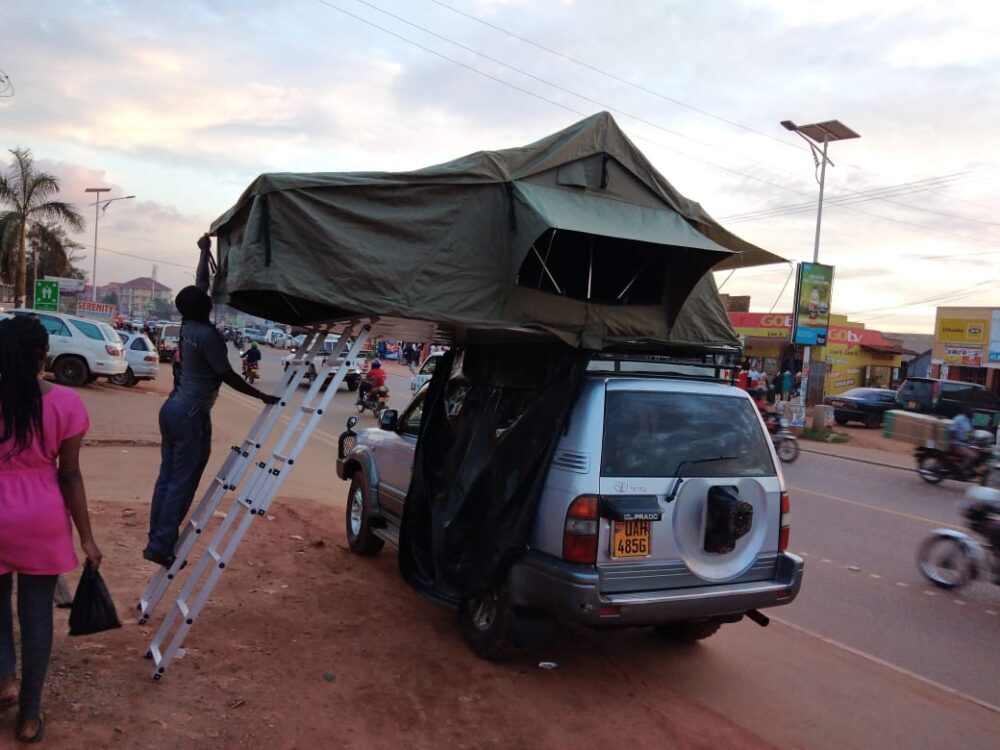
<point>716,367</point>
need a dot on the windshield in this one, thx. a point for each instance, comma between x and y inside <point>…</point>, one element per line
<point>649,434</point>
<point>864,393</point>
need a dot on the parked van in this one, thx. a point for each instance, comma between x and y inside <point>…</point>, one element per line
<point>948,398</point>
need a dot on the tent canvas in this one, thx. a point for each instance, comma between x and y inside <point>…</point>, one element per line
<point>575,238</point>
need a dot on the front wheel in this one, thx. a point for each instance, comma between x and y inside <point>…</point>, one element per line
<point>71,371</point>
<point>873,421</point>
<point>930,469</point>
<point>788,449</point>
<point>945,562</point>
<point>358,523</point>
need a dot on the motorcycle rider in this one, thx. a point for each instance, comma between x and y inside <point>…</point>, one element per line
<point>251,357</point>
<point>960,429</point>
<point>374,380</point>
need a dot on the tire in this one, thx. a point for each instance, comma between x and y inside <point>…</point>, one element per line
<point>930,470</point>
<point>361,407</point>
<point>873,421</point>
<point>352,384</point>
<point>487,625</point>
<point>788,450</point>
<point>71,371</point>
<point>840,420</point>
<point>688,632</point>
<point>958,567</point>
<point>357,521</point>
<point>122,379</point>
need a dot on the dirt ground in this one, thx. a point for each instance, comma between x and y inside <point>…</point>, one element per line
<point>305,645</point>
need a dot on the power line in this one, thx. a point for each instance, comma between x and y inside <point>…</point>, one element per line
<point>791,269</point>
<point>189,267</point>
<point>558,87</point>
<point>617,78</point>
<point>953,294</point>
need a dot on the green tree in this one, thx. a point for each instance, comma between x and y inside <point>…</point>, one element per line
<point>25,194</point>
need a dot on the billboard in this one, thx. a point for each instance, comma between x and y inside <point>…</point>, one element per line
<point>811,316</point>
<point>95,310</point>
<point>993,355</point>
<point>966,337</point>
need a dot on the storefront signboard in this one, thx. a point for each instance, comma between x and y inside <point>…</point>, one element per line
<point>813,290</point>
<point>95,310</point>
<point>961,341</point>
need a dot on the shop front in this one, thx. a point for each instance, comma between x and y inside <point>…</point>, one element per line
<point>852,357</point>
<point>967,345</point>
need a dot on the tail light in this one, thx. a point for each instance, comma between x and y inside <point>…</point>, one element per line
<point>581,530</point>
<point>150,358</point>
<point>786,511</point>
<point>114,351</point>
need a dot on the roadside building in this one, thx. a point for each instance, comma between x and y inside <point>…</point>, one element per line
<point>853,356</point>
<point>967,345</point>
<point>138,296</point>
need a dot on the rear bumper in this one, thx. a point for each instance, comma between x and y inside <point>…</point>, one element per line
<point>104,367</point>
<point>571,592</point>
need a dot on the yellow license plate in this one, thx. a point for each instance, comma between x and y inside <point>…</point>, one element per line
<point>631,539</point>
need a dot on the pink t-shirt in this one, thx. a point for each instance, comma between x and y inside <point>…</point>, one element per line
<point>36,533</point>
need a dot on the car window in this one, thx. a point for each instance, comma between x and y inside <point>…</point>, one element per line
<point>54,326</point>
<point>110,334</point>
<point>410,422</point>
<point>918,391</point>
<point>983,399</point>
<point>887,396</point>
<point>429,365</point>
<point>172,332</point>
<point>122,337</point>
<point>139,344</point>
<point>90,330</point>
<point>862,393</point>
<point>650,434</point>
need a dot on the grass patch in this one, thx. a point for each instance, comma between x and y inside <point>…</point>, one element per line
<point>825,436</point>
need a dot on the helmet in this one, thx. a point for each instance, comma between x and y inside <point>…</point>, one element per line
<point>376,363</point>
<point>253,344</point>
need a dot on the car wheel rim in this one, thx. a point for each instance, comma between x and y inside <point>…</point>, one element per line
<point>357,506</point>
<point>484,611</point>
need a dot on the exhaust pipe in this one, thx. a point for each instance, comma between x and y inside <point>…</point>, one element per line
<point>759,617</point>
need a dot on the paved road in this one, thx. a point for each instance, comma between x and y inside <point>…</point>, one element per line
<point>858,527</point>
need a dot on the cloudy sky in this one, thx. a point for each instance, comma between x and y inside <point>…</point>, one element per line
<point>183,103</point>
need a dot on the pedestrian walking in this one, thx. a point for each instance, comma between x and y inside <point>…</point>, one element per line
<point>185,422</point>
<point>41,430</point>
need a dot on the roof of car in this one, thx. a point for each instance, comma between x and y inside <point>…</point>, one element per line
<point>944,380</point>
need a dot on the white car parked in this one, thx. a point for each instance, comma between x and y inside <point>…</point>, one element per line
<point>80,349</point>
<point>140,354</point>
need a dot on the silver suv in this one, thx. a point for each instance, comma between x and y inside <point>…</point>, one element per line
<point>663,506</point>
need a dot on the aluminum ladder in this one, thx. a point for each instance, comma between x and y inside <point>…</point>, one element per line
<point>252,499</point>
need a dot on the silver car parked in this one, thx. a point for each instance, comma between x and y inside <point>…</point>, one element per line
<point>141,355</point>
<point>664,505</point>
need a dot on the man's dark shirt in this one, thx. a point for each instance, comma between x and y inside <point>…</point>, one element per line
<point>204,361</point>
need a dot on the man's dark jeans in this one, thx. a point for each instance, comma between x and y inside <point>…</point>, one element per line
<point>186,434</point>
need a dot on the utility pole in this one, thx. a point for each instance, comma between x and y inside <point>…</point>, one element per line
<point>97,217</point>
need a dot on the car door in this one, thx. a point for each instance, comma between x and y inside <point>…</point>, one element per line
<point>394,458</point>
<point>60,337</point>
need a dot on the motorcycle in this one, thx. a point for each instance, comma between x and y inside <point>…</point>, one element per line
<point>935,464</point>
<point>251,371</point>
<point>785,443</point>
<point>372,399</point>
<point>950,559</point>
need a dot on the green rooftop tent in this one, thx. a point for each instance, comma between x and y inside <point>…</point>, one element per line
<point>575,238</point>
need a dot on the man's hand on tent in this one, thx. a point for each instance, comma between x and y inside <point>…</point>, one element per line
<point>205,243</point>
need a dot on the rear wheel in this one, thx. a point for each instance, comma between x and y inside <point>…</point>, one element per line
<point>930,469</point>
<point>358,523</point>
<point>688,632</point>
<point>486,621</point>
<point>71,371</point>
<point>840,420</point>
<point>945,562</point>
<point>873,420</point>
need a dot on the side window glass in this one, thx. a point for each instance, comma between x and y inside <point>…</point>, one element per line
<point>429,365</point>
<point>410,423</point>
<point>89,330</point>
<point>54,326</point>
<point>138,344</point>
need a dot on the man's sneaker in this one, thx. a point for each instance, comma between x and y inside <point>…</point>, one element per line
<point>164,560</point>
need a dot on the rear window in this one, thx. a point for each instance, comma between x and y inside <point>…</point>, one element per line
<point>649,434</point>
<point>916,390</point>
<point>862,393</point>
<point>171,332</point>
<point>90,330</point>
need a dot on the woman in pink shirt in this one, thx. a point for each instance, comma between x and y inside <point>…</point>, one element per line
<point>41,490</point>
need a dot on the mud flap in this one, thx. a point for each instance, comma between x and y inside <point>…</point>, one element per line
<point>728,519</point>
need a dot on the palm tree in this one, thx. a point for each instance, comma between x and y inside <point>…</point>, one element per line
<point>25,192</point>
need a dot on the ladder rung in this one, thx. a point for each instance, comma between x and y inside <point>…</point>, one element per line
<point>183,608</point>
<point>214,555</point>
<point>308,409</point>
<point>281,457</point>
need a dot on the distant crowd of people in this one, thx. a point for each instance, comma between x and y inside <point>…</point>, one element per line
<point>782,385</point>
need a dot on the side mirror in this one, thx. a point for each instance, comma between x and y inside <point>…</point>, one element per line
<point>387,419</point>
<point>351,421</point>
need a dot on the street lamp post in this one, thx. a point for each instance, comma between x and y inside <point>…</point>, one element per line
<point>97,217</point>
<point>816,135</point>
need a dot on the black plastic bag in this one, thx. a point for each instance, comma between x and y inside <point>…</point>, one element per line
<point>93,611</point>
